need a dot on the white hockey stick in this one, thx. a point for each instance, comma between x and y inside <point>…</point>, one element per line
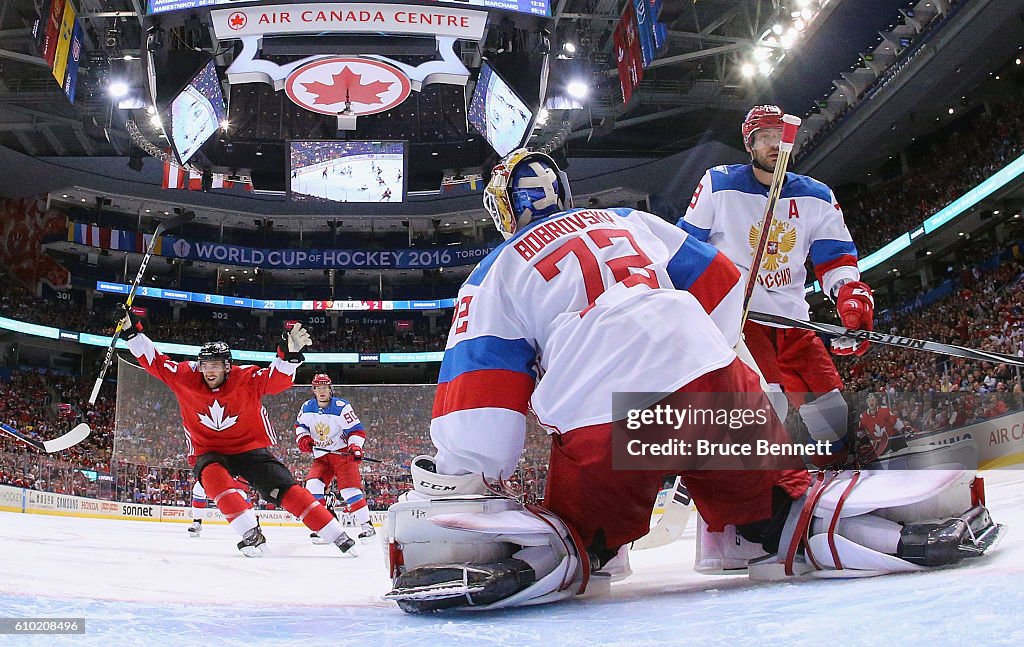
<point>174,221</point>
<point>70,439</point>
<point>673,520</point>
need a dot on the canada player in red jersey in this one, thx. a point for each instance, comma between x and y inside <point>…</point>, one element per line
<point>882,429</point>
<point>228,430</point>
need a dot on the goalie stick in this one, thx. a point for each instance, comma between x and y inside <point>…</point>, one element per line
<point>673,520</point>
<point>173,222</point>
<point>892,340</point>
<point>73,437</point>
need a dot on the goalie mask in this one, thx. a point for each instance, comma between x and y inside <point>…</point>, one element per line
<point>525,186</point>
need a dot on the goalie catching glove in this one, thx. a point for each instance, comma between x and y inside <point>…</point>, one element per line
<point>293,340</point>
<point>856,307</point>
<point>453,543</point>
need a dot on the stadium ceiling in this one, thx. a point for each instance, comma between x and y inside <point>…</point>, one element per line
<point>693,92</point>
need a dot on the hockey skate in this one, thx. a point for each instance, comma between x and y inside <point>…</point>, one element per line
<point>367,533</point>
<point>195,528</point>
<point>252,542</point>
<point>442,586</point>
<point>317,539</point>
<point>347,545</point>
<point>947,542</point>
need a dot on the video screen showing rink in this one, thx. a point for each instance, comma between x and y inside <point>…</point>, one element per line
<point>347,171</point>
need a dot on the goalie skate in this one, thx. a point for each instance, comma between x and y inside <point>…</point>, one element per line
<point>937,544</point>
<point>442,586</point>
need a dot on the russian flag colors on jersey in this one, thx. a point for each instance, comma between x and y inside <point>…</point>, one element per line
<point>230,419</point>
<point>726,211</point>
<point>332,428</point>
<point>571,309</point>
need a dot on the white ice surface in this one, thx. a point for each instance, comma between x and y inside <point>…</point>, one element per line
<point>140,583</point>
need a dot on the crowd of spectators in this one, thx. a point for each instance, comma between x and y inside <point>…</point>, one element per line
<point>954,162</point>
<point>242,331</point>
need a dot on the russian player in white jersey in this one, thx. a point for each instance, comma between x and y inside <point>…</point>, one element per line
<point>329,428</point>
<point>726,210</point>
<point>574,306</point>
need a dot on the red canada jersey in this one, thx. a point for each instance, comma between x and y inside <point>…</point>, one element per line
<point>230,419</point>
<point>880,427</point>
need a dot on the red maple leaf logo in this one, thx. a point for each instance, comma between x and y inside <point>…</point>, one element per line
<point>347,86</point>
<point>237,20</point>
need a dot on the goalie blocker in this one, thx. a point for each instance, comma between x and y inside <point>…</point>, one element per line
<point>453,543</point>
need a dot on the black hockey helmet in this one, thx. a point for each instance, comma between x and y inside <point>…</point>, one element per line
<point>212,350</point>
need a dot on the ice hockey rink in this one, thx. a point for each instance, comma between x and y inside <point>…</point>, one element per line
<point>145,583</point>
<point>352,181</point>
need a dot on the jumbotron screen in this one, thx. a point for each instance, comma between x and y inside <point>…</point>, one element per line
<point>196,113</point>
<point>347,171</point>
<point>497,112</point>
<point>534,7</point>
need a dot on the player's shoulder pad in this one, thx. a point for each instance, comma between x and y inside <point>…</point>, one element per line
<point>340,403</point>
<point>737,177</point>
<point>802,186</point>
<point>310,406</point>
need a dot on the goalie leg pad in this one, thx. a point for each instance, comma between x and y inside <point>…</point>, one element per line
<point>485,540</point>
<point>870,523</point>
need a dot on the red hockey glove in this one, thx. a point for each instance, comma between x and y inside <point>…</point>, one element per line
<point>356,451</point>
<point>856,309</point>
<point>306,444</point>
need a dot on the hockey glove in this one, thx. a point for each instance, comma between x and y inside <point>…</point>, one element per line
<point>856,308</point>
<point>305,444</point>
<point>356,451</point>
<point>131,324</point>
<point>293,340</point>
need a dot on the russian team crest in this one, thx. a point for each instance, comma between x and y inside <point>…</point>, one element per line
<point>781,241</point>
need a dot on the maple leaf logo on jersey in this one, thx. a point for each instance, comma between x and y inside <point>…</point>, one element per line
<point>322,431</point>
<point>347,86</point>
<point>216,420</point>
<point>781,241</point>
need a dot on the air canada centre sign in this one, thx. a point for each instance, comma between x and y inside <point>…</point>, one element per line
<point>348,17</point>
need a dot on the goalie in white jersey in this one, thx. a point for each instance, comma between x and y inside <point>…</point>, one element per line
<point>576,305</point>
<point>726,211</point>
<point>328,428</point>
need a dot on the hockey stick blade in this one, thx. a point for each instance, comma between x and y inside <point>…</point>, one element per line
<point>889,339</point>
<point>673,520</point>
<point>174,222</point>
<point>70,439</point>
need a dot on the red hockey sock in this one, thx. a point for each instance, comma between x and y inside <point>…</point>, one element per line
<point>298,501</point>
<point>222,488</point>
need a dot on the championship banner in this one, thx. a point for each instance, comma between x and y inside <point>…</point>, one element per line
<point>52,30</point>
<point>74,56</point>
<point>60,57</point>
<point>331,17</point>
<point>339,259</point>
<point>628,57</point>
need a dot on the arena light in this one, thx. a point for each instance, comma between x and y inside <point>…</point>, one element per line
<point>762,53</point>
<point>118,89</point>
<point>569,48</point>
<point>765,68</point>
<point>788,39</point>
<point>225,124</point>
<point>950,111</point>
<point>777,29</point>
<point>542,117</point>
<point>748,70</point>
<point>155,122</point>
<point>577,89</point>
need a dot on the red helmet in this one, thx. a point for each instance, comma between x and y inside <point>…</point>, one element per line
<point>760,117</point>
<point>321,379</point>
